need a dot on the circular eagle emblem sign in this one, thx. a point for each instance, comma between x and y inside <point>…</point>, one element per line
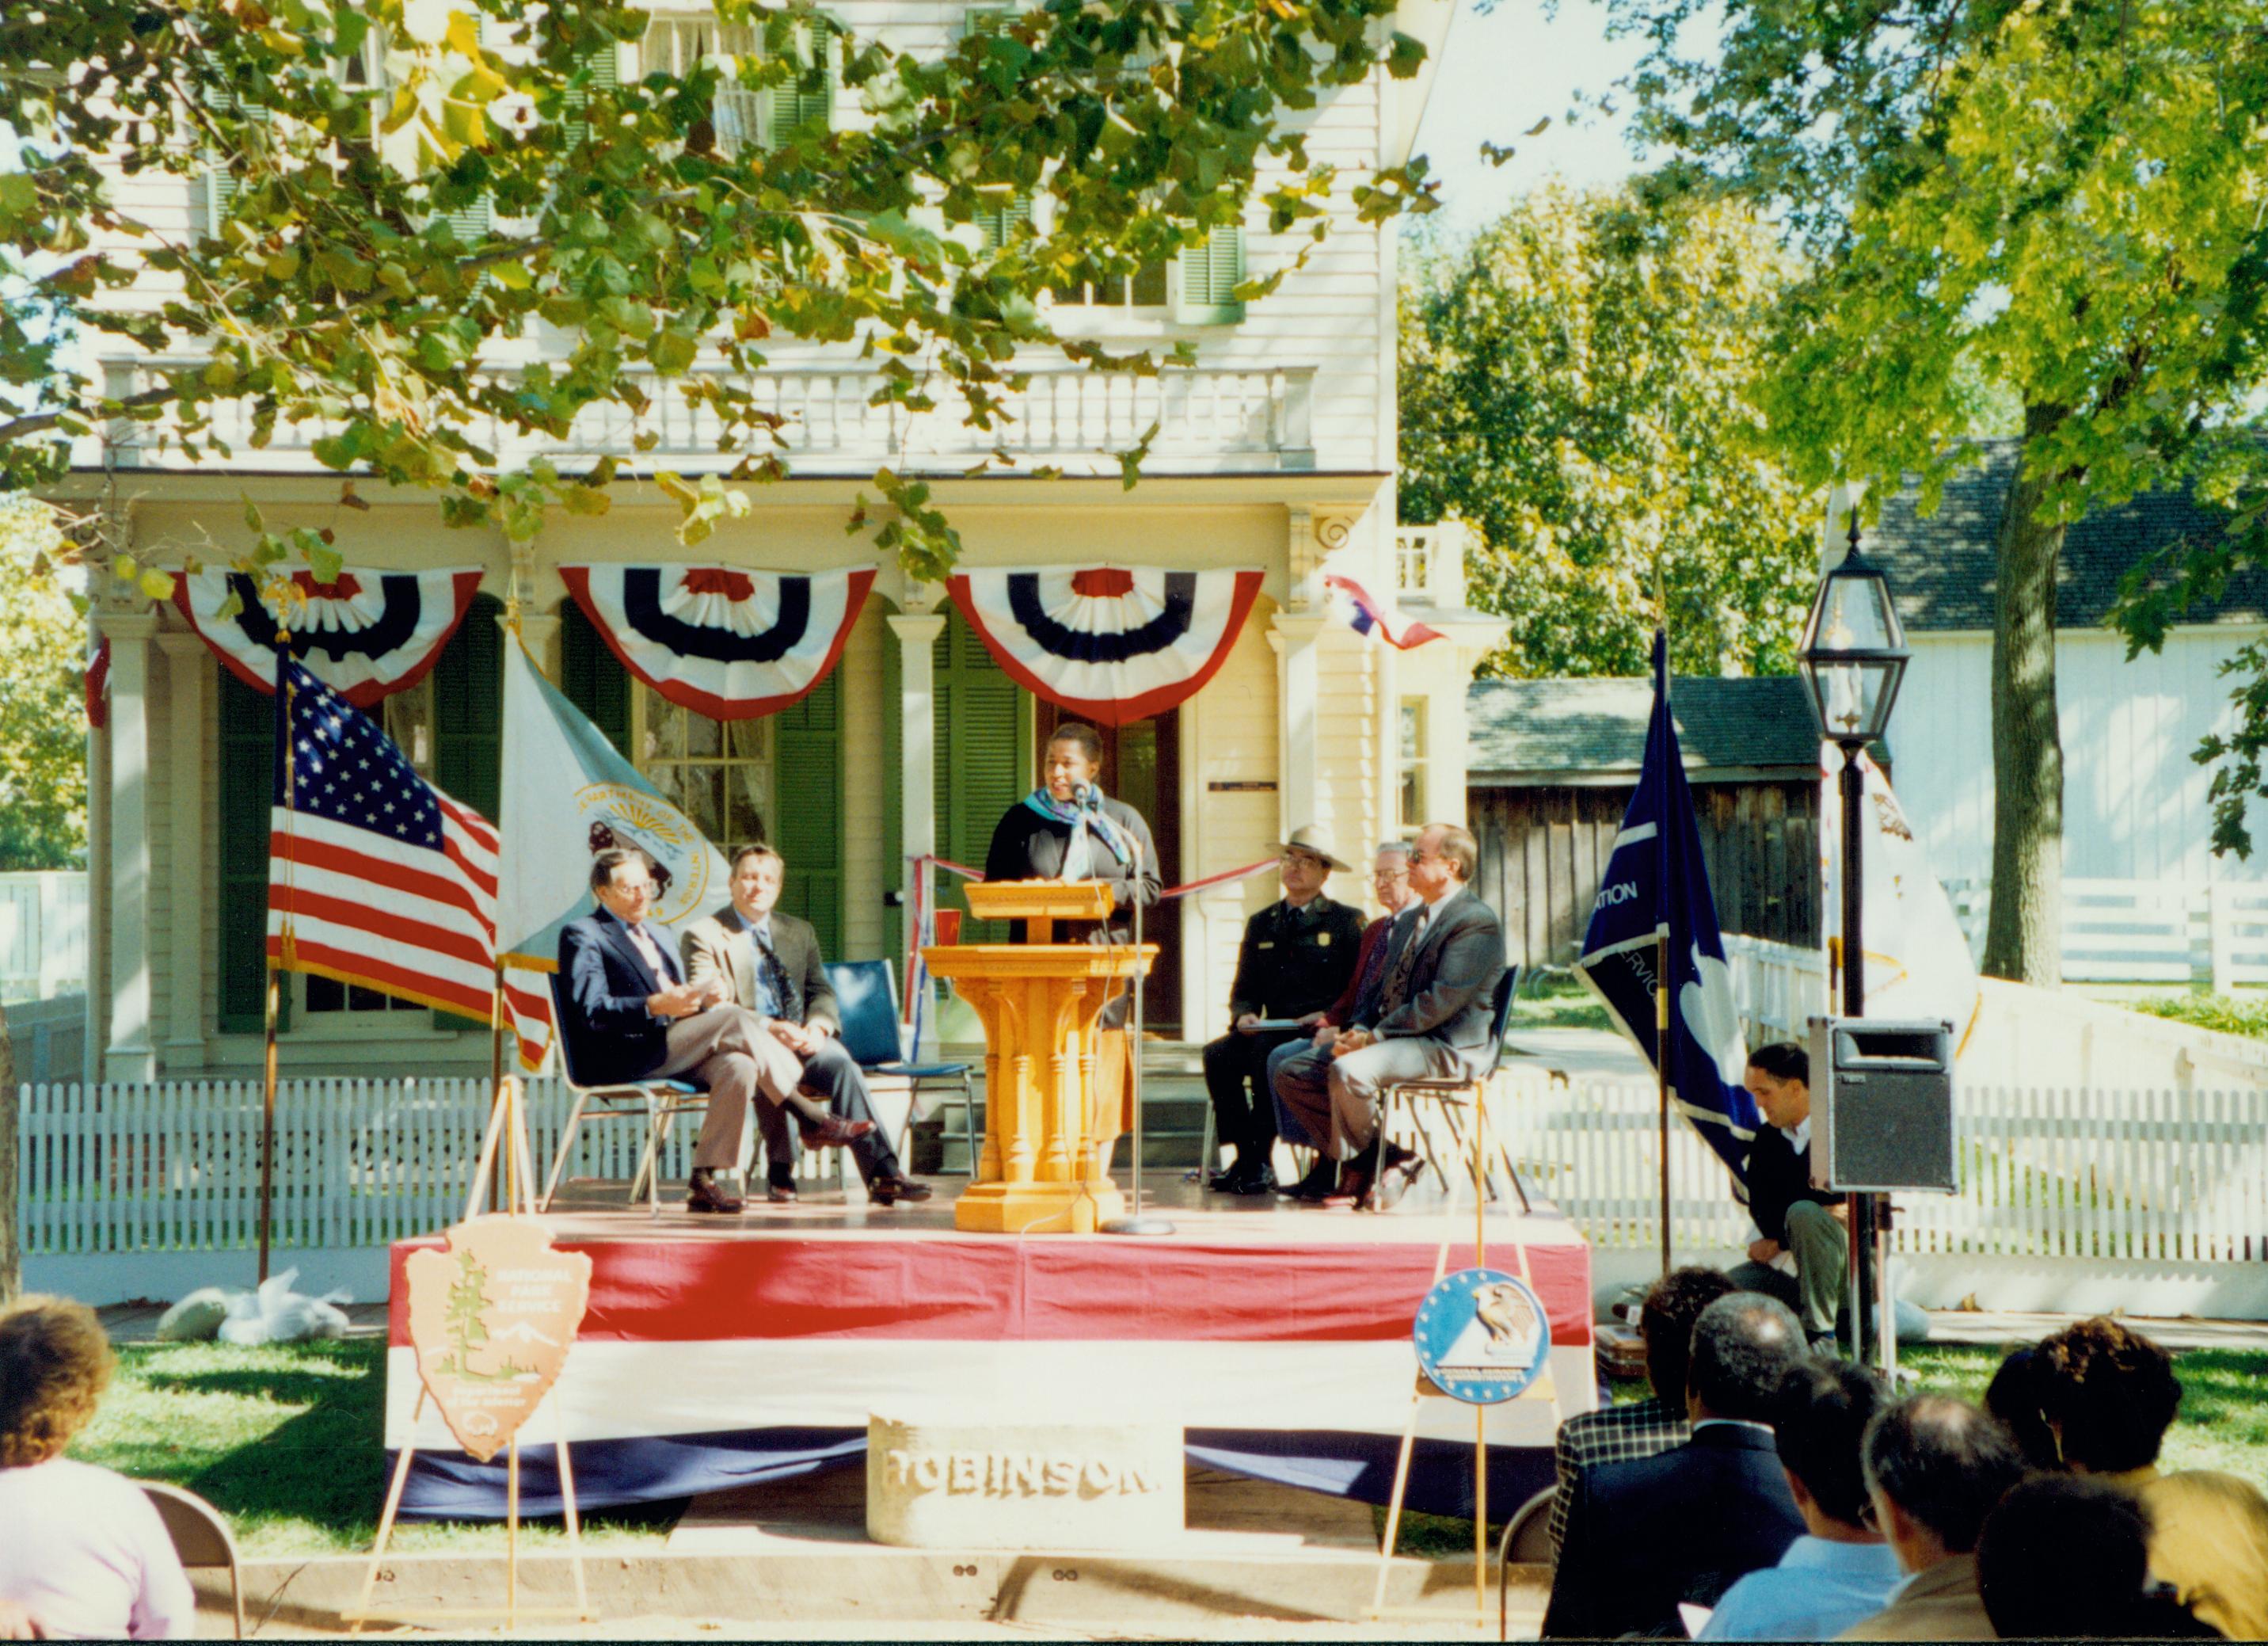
<point>1482,1336</point>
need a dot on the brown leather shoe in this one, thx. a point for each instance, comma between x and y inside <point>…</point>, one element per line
<point>831,1131</point>
<point>890,1190</point>
<point>1353,1193</point>
<point>704,1193</point>
<point>1401,1169</point>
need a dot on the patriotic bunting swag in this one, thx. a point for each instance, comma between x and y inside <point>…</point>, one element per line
<point>1112,645</point>
<point>365,634</point>
<point>731,644</point>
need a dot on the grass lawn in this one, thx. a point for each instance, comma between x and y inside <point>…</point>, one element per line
<point>286,1441</point>
<point>1559,1003</point>
<point>2223,1424</point>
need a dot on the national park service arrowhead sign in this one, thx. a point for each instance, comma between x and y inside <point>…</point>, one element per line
<point>491,1321</point>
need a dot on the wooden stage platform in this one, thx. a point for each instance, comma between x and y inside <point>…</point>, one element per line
<point>721,1351</point>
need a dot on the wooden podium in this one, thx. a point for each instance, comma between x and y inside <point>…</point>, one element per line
<point>1051,1113</point>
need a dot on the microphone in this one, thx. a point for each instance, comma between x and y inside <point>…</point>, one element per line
<point>1083,796</point>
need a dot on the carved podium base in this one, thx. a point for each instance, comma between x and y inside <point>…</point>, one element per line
<point>1054,1090</point>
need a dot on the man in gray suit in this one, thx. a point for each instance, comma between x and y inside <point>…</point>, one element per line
<point>1433,1021</point>
<point>769,963</point>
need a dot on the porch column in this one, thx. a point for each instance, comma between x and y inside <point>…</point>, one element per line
<point>916,635</point>
<point>540,634</point>
<point>130,1056</point>
<point>189,666</point>
<point>1298,789</point>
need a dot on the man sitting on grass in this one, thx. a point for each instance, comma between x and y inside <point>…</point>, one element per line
<point>83,1554</point>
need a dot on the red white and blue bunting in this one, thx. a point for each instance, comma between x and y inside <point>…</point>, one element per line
<point>1111,644</point>
<point>365,634</point>
<point>728,643</point>
<point>1375,619</point>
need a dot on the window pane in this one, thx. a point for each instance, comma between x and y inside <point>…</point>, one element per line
<point>664,737</point>
<point>326,995</point>
<point>704,738</point>
<point>407,722</point>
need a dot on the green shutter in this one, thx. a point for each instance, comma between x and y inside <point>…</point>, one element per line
<point>592,679</point>
<point>894,877</point>
<point>807,809</point>
<point>246,789</point>
<point>468,727</point>
<point>984,759</point>
<point>807,98</point>
<point>1211,273</point>
<point>1000,225</point>
<point>603,66</point>
<point>470,223</point>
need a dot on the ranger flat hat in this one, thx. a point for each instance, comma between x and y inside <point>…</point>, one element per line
<point>1310,839</point>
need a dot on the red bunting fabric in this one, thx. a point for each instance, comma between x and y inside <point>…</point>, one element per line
<point>365,634</point>
<point>1111,644</point>
<point>98,687</point>
<point>729,644</point>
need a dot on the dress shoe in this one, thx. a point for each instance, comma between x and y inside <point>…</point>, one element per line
<point>1223,1182</point>
<point>704,1193</point>
<point>831,1131</point>
<point>1323,1177</point>
<point>890,1190</point>
<point>1400,1169</point>
<point>1260,1180</point>
<point>781,1193</point>
<point>1353,1193</point>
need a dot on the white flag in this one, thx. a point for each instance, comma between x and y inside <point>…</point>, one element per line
<point>568,794</point>
<point>1917,963</point>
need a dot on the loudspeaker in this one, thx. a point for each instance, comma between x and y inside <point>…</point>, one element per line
<point>1881,1105</point>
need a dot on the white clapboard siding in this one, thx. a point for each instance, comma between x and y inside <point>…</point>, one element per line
<point>2212,932</point>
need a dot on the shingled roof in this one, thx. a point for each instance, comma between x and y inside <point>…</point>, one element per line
<point>1543,731</point>
<point>1942,573</point>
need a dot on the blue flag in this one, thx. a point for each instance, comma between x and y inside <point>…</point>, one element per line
<point>1656,884</point>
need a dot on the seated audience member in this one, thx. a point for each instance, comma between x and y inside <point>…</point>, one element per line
<point>2067,1557</point>
<point>1308,1059</point>
<point>1684,1525</point>
<point>1299,955</point>
<point>1840,1571</point>
<point>1641,1428</point>
<point>769,962</point>
<point>630,1015</point>
<point>1434,1023</point>
<point>83,1554</point>
<point>2013,1396</point>
<point>2108,1395</point>
<point>1935,1466</point>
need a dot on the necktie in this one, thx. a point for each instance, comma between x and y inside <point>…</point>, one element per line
<point>772,978</point>
<point>651,954</point>
<point>1397,976</point>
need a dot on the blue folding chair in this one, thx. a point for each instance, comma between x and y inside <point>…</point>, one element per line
<point>1453,1096</point>
<point>659,1101</point>
<point>866,998</point>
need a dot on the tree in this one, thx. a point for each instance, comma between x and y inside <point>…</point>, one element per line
<point>42,731</point>
<point>1572,384</point>
<point>2057,196</point>
<point>408,184</point>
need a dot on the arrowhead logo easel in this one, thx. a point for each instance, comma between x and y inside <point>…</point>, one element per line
<point>491,1321</point>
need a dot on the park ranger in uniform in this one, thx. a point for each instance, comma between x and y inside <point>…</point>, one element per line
<point>1298,954</point>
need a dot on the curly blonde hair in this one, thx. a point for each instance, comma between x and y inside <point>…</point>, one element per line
<point>54,1363</point>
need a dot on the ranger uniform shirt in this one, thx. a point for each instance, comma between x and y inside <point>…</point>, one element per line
<point>1295,961</point>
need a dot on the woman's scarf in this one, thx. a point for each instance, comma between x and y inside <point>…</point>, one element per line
<point>1088,825</point>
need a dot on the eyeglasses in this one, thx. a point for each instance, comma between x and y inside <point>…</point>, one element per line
<point>1416,858</point>
<point>1389,874</point>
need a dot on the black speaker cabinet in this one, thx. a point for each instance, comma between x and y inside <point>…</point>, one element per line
<point>1881,1105</point>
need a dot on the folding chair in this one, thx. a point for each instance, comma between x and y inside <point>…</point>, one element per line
<point>202,1539</point>
<point>658,1102</point>
<point>866,998</point>
<point>1453,1097</point>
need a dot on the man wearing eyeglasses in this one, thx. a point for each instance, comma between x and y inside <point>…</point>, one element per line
<point>1307,1062</point>
<point>630,1015</point>
<point>1433,1021</point>
<point>1297,956</point>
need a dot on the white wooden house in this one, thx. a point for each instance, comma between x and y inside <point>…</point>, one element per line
<point>1276,448</point>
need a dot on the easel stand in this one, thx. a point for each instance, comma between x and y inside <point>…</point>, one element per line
<point>506,1136</point>
<point>1544,1388</point>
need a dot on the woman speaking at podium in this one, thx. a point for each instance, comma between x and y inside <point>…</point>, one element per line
<point>1068,829</point>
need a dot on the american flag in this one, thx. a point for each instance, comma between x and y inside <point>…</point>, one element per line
<point>374,876</point>
<point>1369,617</point>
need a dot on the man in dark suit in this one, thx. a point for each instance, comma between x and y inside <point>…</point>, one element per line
<point>1434,1020</point>
<point>772,962</point>
<point>630,1015</point>
<point>1684,1525</point>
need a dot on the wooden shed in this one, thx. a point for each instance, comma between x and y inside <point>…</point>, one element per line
<point>1551,767</point>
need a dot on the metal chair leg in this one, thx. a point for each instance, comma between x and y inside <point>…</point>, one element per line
<point>566,1143</point>
<point>657,1136</point>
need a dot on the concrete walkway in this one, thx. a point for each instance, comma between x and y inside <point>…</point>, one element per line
<point>1578,1053</point>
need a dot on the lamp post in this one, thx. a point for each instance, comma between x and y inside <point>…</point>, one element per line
<point>1854,657</point>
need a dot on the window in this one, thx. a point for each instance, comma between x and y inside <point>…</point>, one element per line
<point>718,772</point>
<point>1144,288</point>
<point>738,117</point>
<point>1412,764</point>
<point>1200,289</point>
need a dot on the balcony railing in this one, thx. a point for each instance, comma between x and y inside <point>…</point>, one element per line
<point>1209,419</point>
<point>1429,565</point>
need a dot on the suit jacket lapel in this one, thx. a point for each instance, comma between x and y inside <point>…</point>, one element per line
<point>618,933</point>
<point>740,945</point>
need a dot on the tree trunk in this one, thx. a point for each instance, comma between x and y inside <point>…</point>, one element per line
<point>2023,941</point>
<point>11,1260</point>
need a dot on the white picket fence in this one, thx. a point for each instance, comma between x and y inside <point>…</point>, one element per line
<point>42,934</point>
<point>2146,930</point>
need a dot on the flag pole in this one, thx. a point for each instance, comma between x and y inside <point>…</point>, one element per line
<point>277,964</point>
<point>1662,942</point>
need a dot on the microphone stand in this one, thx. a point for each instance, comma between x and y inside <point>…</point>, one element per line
<point>1137,1222</point>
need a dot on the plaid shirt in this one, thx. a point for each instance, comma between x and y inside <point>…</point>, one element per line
<point>1614,1433</point>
